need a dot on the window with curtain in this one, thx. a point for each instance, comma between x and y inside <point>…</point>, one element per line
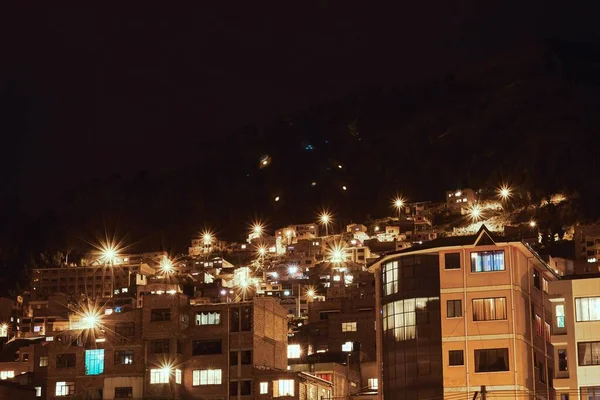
<point>587,309</point>
<point>589,353</point>
<point>208,318</point>
<point>489,309</point>
<point>487,261</point>
<point>454,308</point>
<point>390,278</point>
<point>491,360</point>
<point>538,325</point>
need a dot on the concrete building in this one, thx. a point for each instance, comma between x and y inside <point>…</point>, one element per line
<point>460,313</point>
<point>93,281</point>
<point>576,337</point>
<point>461,198</point>
<point>23,363</point>
<point>171,349</point>
<point>293,233</point>
<point>587,248</point>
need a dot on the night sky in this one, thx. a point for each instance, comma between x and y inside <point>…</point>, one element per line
<point>92,92</point>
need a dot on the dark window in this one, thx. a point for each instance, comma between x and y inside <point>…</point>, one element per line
<point>536,278</point>
<point>159,346</point>
<point>206,347</point>
<point>456,357</point>
<point>246,319</point>
<point>235,319</point>
<point>246,388</point>
<point>454,308</point>
<point>123,392</point>
<point>563,365</point>
<point>123,357</point>
<point>564,396</point>
<point>246,357</point>
<point>452,261</point>
<point>589,353</point>
<point>233,388</point>
<point>160,314</point>
<point>233,358</point>
<point>490,360</point>
<point>66,360</point>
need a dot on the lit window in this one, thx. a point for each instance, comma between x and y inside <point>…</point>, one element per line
<point>490,309</point>
<point>44,361</point>
<point>49,338</point>
<point>587,309</point>
<point>589,353</point>
<point>208,318</point>
<point>159,375</point>
<point>94,362</point>
<point>336,278</point>
<point>124,290</point>
<point>348,326</point>
<point>264,387</point>
<point>283,387</point>
<point>178,376</point>
<point>487,261</point>
<point>123,357</point>
<point>7,374</point>
<point>206,377</point>
<point>373,383</point>
<point>38,391</point>
<point>348,346</point>
<point>65,389</point>
<point>294,351</point>
<point>560,316</point>
<point>4,330</point>
<point>37,328</point>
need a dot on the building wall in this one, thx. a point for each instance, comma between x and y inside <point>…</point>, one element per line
<point>564,294</point>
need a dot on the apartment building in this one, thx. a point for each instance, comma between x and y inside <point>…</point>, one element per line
<point>23,363</point>
<point>460,313</point>
<point>576,337</point>
<point>461,198</point>
<point>92,281</point>
<point>171,349</point>
<point>587,248</point>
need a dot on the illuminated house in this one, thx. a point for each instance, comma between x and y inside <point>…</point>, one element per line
<point>460,313</point>
<point>461,198</point>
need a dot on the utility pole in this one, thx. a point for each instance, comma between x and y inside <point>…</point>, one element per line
<point>483,393</point>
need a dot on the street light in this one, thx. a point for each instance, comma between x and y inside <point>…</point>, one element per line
<point>504,192</point>
<point>398,203</point>
<point>325,219</point>
<point>166,265</point>
<point>475,212</point>
<point>532,223</point>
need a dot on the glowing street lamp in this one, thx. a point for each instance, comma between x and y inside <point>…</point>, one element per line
<point>398,203</point>
<point>325,219</point>
<point>293,269</point>
<point>532,224</point>
<point>336,254</point>
<point>504,192</point>
<point>4,329</point>
<point>109,252</point>
<point>475,212</point>
<point>257,229</point>
<point>166,265</point>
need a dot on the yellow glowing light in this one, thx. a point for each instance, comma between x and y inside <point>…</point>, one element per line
<point>504,192</point>
<point>257,228</point>
<point>532,223</point>
<point>109,252</point>
<point>475,212</point>
<point>344,188</point>
<point>336,253</point>
<point>207,237</point>
<point>310,293</point>
<point>4,330</point>
<point>325,217</point>
<point>90,318</point>
<point>277,198</point>
<point>262,250</point>
<point>398,202</point>
<point>166,265</point>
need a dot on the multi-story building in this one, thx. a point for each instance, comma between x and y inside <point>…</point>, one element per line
<point>576,336</point>
<point>587,248</point>
<point>23,362</point>
<point>293,233</point>
<point>461,198</point>
<point>93,281</point>
<point>459,313</point>
<point>171,349</point>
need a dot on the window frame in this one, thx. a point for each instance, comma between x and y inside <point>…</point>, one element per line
<point>456,352</point>
<point>495,309</point>
<point>454,304</point>
<point>160,314</point>
<point>70,386</point>
<point>595,361</point>
<point>210,377</point>
<point>487,370</point>
<point>349,326</point>
<point>579,310</point>
<point>453,254</point>
<point>487,252</point>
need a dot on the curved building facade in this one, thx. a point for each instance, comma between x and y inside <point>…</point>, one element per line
<point>412,346</point>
